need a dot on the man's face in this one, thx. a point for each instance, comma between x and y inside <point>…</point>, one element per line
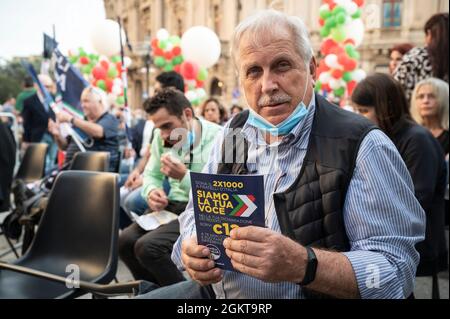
<point>168,123</point>
<point>273,75</point>
<point>91,105</point>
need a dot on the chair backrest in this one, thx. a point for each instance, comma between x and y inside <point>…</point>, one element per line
<point>90,161</point>
<point>79,227</point>
<point>32,167</point>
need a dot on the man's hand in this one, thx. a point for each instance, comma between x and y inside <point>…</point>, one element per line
<point>53,128</point>
<point>157,200</point>
<point>198,265</point>
<point>172,167</point>
<point>132,178</point>
<point>266,255</point>
<point>63,117</point>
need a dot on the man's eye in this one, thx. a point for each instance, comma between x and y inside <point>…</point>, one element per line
<point>252,71</point>
<point>283,65</point>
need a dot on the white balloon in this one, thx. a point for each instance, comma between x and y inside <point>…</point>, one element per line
<point>324,7</point>
<point>162,34</point>
<point>325,77</point>
<point>201,45</point>
<point>201,93</point>
<point>336,84</point>
<point>116,90</point>
<point>127,61</point>
<point>359,75</point>
<point>105,37</point>
<point>351,7</point>
<point>117,81</point>
<point>191,95</point>
<point>331,61</point>
<point>355,31</point>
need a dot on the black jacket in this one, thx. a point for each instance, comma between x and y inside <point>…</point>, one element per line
<point>35,119</point>
<point>7,162</point>
<point>426,164</point>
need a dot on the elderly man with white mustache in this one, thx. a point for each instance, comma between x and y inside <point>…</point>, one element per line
<point>341,217</point>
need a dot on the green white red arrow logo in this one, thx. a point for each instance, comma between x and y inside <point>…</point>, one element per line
<point>246,206</point>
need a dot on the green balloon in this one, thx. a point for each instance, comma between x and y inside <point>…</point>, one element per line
<point>112,72</point>
<point>177,60</point>
<point>82,53</point>
<point>341,18</point>
<point>160,62</point>
<point>324,32</point>
<point>120,100</point>
<point>339,92</point>
<point>331,23</point>
<point>357,14</point>
<point>318,86</point>
<point>115,59</point>
<point>202,75</point>
<point>73,59</point>
<point>338,9</point>
<point>101,84</point>
<point>175,40</point>
<point>347,77</point>
<point>338,34</point>
<point>325,14</point>
<point>163,44</point>
<point>168,67</point>
<point>87,69</point>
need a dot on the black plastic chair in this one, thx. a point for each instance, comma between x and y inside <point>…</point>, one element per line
<point>32,167</point>
<point>90,161</point>
<point>78,229</point>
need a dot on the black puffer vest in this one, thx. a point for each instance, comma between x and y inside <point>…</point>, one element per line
<point>311,210</point>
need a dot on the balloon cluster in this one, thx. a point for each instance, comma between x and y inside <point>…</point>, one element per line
<point>167,51</point>
<point>102,72</point>
<point>190,56</point>
<point>343,31</point>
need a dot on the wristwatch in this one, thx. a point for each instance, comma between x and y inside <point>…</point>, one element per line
<point>72,120</point>
<point>311,268</point>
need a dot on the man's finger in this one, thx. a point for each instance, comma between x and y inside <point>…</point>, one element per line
<point>244,246</point>
<point>244,259</point>
<point>251,233</point>
<point>212,276</point>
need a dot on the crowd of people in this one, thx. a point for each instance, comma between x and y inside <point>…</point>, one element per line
<point>371,191</point>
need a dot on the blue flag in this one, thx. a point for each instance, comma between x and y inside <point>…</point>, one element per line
<point>70,83</point>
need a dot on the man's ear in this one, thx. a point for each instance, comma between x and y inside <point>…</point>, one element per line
<point>188,113</point>
<point>313,68</point>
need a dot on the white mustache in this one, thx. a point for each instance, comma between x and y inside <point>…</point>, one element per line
<point>269,100</point>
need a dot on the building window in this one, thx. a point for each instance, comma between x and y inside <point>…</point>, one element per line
<point>392,13</point>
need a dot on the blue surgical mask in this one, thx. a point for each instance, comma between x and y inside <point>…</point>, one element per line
<point>284,127</point>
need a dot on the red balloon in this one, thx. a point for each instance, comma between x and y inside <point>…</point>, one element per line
<point>200,84</point>
<point>321,22</point>
<point>176,51</point>
<point>158,52</point>
<point>189,70</point>
<point>154,43</point>
<point>337,74</point>
<point>104,64</point>
<point>350,41</point>
<point>338,50</point>
<point>168,55</point>
<point>109,85</point>
<point>351,87</point>
<point>350,65</point>
<point>99,73</point>
<point>327,45</point>
<point>343,59</point>
<point>360,3</point>
<point>84,60</point>
<point>119,66</point>
<point>177,68</point>
<point>326,87</point>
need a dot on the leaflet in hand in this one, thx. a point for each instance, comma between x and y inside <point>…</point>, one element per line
<point>222,203</point>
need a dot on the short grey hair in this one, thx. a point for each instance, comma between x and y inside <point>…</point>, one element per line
<point>100,96</point>
<point>440,89</point>
<point>267,22</point>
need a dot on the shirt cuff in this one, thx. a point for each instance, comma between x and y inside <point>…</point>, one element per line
<point>185,183</point>
<point>375,275</point>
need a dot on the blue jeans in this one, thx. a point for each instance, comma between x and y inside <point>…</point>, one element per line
<point>183,290</point>
<point>134,202</point>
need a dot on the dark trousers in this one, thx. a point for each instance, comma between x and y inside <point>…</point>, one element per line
<point>148,253</point>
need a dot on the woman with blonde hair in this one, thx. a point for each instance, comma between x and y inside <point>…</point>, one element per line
<point>429,108</point>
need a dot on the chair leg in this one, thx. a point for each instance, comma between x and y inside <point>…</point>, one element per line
<point>435,288</point>
<point>12,246</point>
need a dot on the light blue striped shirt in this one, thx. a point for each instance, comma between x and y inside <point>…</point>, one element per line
<point>382,217</point>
